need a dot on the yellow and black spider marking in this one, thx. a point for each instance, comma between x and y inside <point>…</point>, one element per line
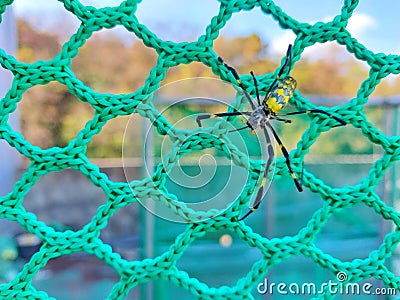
<point>276,98</point>
<point>281,94</point>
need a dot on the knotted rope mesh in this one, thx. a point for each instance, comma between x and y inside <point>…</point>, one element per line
<point>121,194</point>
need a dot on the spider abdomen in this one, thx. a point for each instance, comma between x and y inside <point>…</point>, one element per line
<point>281,94</point>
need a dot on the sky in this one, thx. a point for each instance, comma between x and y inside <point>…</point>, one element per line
<point>374,23</point>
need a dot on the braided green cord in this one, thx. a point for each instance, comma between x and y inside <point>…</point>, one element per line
<point>109,106</point>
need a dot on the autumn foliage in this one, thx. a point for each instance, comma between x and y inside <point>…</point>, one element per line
<point>51,116</point>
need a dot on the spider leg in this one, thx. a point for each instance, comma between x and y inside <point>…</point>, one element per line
<point>239,81</point>
<point>260,192</point>
<point>288,61</point>
<point>281,119</point>
<point>256,86</point>
<point>225,114</point>
<point>317,111</point>
<point>238,129</point>
<point>285,153</point>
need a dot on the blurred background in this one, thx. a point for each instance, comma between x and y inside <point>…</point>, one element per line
<point>115,61</point>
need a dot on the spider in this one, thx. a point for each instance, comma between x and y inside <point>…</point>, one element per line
<point>276,98</point>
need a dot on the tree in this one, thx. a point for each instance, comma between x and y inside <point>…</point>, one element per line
<point>51,116</point>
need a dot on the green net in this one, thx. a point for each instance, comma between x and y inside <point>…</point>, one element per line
<point>109,106</point>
